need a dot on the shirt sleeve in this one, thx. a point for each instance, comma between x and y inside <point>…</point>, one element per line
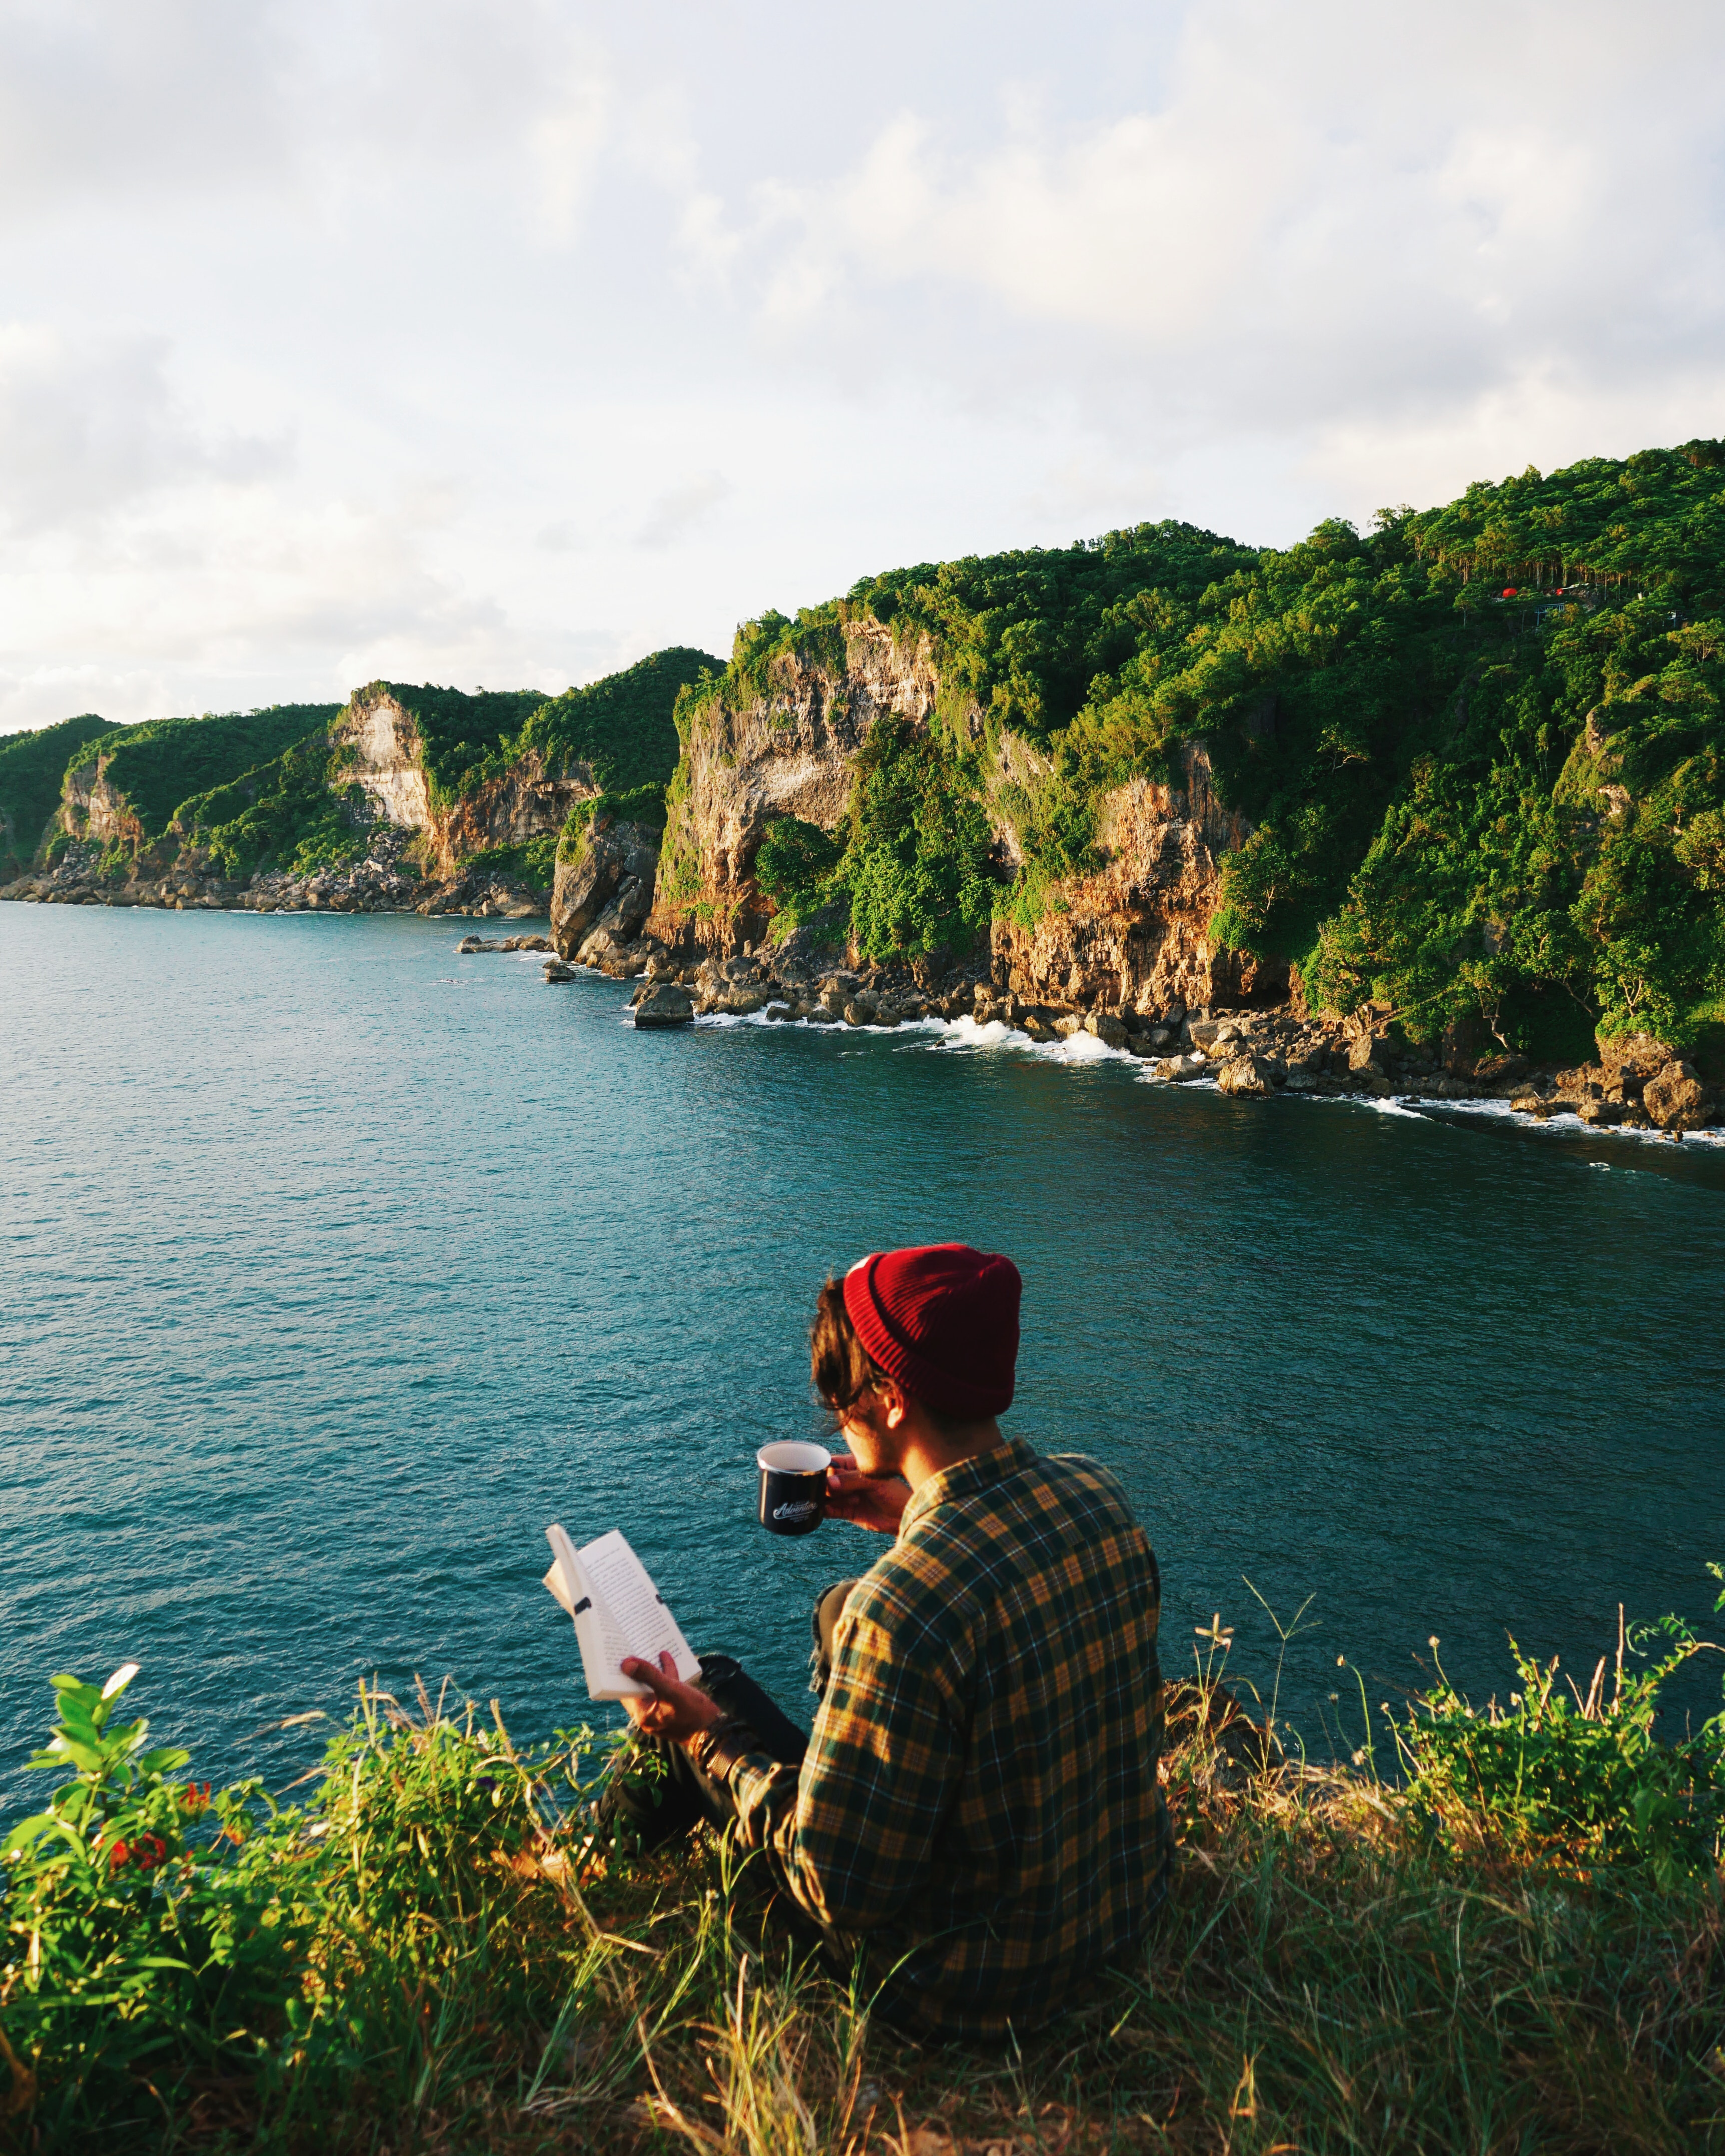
<point>853,1830</point>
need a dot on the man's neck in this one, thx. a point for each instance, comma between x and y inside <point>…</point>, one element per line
<point>929,1452</point>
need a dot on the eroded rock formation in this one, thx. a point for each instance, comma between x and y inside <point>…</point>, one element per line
<point>387,757</point>
<point>1134,934</point>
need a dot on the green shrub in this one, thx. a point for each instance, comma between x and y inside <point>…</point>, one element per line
<point>917,869</point>
<point>1578,1778</point>
<point>794,867</point>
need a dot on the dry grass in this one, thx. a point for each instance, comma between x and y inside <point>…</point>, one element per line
<point>1331,1974</point>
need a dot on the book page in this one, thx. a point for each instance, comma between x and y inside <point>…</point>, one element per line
<point>632,1617</point>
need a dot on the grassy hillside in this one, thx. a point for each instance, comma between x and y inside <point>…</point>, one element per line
<point>1404,714</point>
<point>1497,1928</point>
<point>158,765</point>
<point>32,766</point>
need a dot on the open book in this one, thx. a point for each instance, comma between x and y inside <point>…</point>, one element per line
<point>618,1611</point>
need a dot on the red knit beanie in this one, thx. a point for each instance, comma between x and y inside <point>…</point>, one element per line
<point>944,1321</point>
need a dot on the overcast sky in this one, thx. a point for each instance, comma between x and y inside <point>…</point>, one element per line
<point>500,344</point>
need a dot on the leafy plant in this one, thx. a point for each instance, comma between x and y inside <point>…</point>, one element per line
<point>1577,1778</point>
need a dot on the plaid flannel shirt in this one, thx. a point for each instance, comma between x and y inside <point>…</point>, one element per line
<point>979,1803</point>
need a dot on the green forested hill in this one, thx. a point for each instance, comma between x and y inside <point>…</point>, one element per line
<point>32,766</point>
<point>162,762</point>
<point>289,812</point>
<point>1404,713</point>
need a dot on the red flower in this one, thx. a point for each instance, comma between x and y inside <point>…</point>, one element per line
<point>151,1849</point>
<point>1509,592</point>
<point>194,1800</point>
<point>118,1857</point>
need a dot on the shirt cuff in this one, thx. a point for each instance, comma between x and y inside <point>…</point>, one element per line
<point>764,1791</point>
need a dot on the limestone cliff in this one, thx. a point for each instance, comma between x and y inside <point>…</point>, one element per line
<point>786,753</point>
<point>1134,933</point>
<point>385,754</point>
<point>93,809</point>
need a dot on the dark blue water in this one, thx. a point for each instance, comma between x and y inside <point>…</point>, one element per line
<point>334,1266</point>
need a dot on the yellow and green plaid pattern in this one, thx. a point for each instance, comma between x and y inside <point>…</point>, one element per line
<point>979,1801</point>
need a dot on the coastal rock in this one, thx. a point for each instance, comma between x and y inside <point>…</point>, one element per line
<point>665,1005</point>
<point>1246,1073</point>
<point>1628,1060</point>
<point>1674,1098</point>
<point>1107,1029</point>
<point>556,970</point>
<point>1499,1077</point>
<point>610,856</point>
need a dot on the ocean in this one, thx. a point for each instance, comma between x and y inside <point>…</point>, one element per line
<point>336,1265</point>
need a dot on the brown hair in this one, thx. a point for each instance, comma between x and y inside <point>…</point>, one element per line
<point>842,1368</point>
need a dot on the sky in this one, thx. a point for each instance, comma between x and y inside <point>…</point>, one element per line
<point>500,345</point>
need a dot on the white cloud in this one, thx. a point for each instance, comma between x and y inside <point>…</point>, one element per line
<point>681,509</point>
<point>89,426</point>
<point>359,336</point>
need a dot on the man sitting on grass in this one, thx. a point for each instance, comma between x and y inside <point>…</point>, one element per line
<point>978,1803</point>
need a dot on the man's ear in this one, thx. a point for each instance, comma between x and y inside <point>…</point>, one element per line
<point>896,1404</point>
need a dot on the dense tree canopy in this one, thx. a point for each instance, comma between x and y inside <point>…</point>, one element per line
<point>1402,715</point>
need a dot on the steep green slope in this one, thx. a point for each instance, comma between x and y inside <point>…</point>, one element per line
<point>32,766</point>
<point>1404,715</point>
<point>622,727</point>
<point>158,765</point>
<point>291,814</point>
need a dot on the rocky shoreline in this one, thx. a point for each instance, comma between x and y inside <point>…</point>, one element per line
<point>1639,1083</point>
<point>602,906</point>
<point>384,880</point>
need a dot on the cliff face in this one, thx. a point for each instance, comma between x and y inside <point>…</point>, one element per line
<point>1134,933</point>
<point>387,757</point>
<point>93,809</point>
<point>787,752</point>
<point>600,899</point>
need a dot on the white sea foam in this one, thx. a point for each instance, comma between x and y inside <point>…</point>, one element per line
<point>965,1036</point>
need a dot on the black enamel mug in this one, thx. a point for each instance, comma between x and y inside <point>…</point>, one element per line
<point>793,1487</point>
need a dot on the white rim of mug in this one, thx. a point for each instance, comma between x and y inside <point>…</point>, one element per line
<point>816,1458</point>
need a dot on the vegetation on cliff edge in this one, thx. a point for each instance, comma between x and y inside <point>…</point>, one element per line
<point>1403,715</point>
<point>164,762</point>
<point>32,768</point>
<point>1517,1939</point>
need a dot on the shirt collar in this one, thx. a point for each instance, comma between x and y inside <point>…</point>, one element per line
<point>967,1478</point>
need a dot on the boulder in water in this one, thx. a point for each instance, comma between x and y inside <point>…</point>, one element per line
<point>665,1005</point>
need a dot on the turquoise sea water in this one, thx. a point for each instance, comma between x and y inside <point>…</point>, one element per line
<point>336,1266</point>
